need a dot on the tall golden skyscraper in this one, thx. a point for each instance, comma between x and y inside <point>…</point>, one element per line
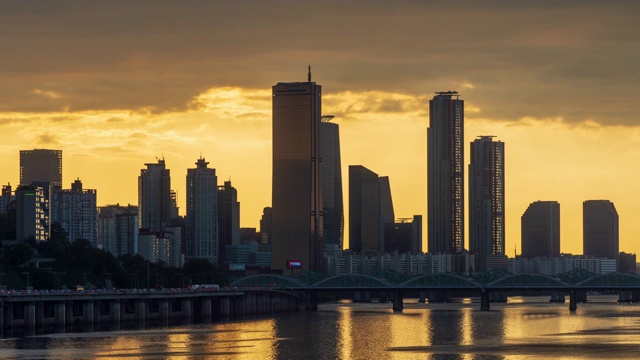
<point>297,241</point>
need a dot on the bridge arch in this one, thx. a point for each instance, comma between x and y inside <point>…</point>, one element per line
<point>611,280</point>
<point>269,280</point>
<point>527,280</point>
<point>442,280</point>
<point>351,280</point>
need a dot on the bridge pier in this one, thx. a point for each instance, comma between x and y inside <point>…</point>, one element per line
<point>485,300</point>
<point>141,310</point>
<point>422,297</point>
<point>311,300</point>
<point>88,312</point>
<point>30,314</point>
<point>115,312</point>
<point>572,301</point>
<point>557,297</point>
<point>398,305</point>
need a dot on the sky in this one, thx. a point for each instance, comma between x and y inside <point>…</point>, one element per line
<point>117,84</point>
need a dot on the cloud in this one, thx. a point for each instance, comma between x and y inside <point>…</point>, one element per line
<point>47,94</point>
<point>579,63</point>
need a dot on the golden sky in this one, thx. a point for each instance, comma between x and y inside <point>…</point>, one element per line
<point>118,84</point>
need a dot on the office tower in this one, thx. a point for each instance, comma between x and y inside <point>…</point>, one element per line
<point>41,165</point>
<point>600,229</point>
<point>445,173</point>
<point>541,229</point>
<point>228,218</point>
<point>364,210</point>
<point>202,213</point>
<point>296,187</point>
<point>76,211</point>
<point>370,209</point>
<point>416,235</point>
<point>154,197</point>
<point>118,229</point>
<point>5,198</point>
<point>265,226</point>
<point>331,170</point>
<point>486,197</point>
<point>31,213</point>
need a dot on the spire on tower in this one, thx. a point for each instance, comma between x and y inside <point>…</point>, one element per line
<point>309,75</point>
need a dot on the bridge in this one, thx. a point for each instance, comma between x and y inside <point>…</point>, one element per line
<point>59,309</point>
<point>439,286</point>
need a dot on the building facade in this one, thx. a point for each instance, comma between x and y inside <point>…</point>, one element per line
<point>202,213</point>
<point>6,197</point>
<point>297,222</point>
<point>541,229</point>
<point>41,165</point>
<point>486,197</point>
<point>445,174</point>
<point>331,168</point>
<point>77,212</point>
<point>154,197</point>
<point>118,229</point>
<point>32,219</point>
<point>600,229</point>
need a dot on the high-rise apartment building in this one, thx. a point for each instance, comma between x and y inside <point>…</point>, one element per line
<point>541,229</point>
<point>296,187</point>
<point>600,229</point>
<point>370,210</point>
<point>154,197</point>
<point>486,197</point>
<point>331,169</point>
<point>41,165</point>
<point>6,197</point>
<point>228,218</point>
<point>445,173</point>
<point>118,229</point>
<point>76,211</point>
<point>32,220</point>
<point>202,213</point>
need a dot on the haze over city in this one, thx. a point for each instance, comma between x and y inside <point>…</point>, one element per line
<point>115,85</point>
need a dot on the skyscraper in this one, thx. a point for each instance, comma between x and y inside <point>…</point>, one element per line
<point>445,173</point>
<point>600,229</point>
<point>228,218</point>
<point>364,210</point>
<point>154,197</point>
<point>118,229</point>
<point>76,211</point>
<point>486,197</point>
<point>332,201</point>
<point>297,222</point>
<point>541,229</point>
<point>41,165</point>
<point>202,213</point>
<point>370,210</point>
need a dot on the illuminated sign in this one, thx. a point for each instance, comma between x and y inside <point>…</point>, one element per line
<point>294,264</point>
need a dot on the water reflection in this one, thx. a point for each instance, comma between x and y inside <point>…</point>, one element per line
<point>522,329</point>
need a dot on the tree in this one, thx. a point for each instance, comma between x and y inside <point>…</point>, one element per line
<point>18,255</point>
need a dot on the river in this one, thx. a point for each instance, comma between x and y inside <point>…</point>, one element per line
<point>522,328</point>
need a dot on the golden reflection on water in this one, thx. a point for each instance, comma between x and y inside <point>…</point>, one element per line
<point>345,334</point>
<point>258,342</point>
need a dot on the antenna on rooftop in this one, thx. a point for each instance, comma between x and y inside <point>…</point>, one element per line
<point>309,74</point>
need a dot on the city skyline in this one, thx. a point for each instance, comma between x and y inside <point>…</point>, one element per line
<point>560,92</point>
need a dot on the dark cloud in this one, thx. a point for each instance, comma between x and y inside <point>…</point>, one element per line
<point>541,59</point>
